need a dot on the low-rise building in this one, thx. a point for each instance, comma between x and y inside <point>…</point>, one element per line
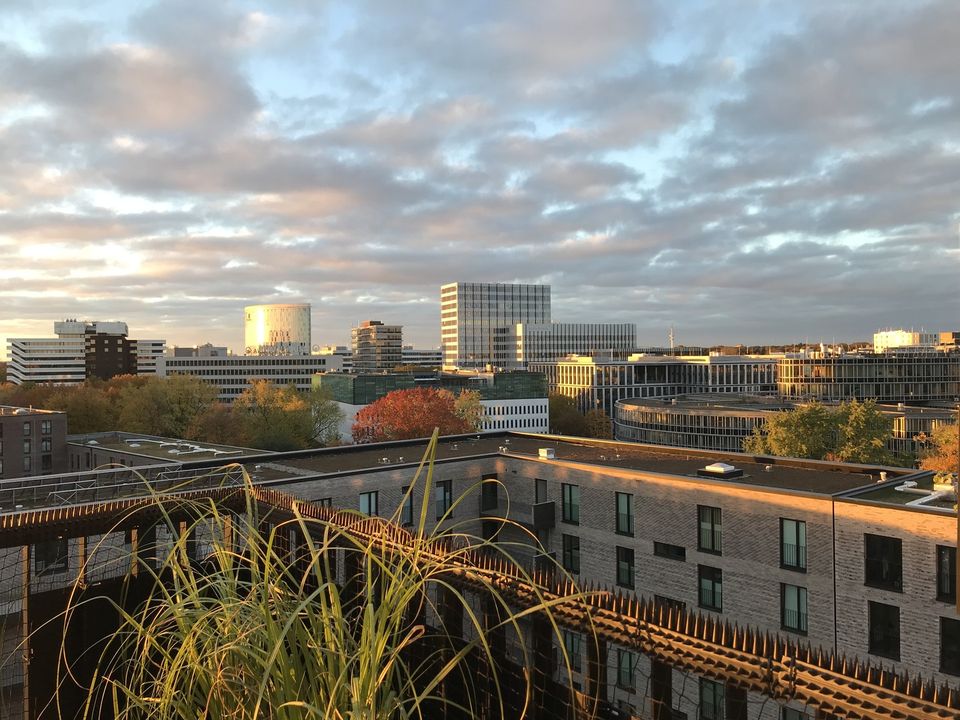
<point>32,442</point>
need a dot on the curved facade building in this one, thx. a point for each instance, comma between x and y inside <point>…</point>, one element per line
<point>277,329</point>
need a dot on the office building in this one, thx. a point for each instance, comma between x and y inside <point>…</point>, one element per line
<point>412,356</point>
<point>207,350</point>
<point>81,350</point>
<point>884,340</point>
<point>32,442</point>
<point>544,342</point>
<point>279,329</point>
<point>476,321</point>
<point>376,347</point>
<point>742,563</point>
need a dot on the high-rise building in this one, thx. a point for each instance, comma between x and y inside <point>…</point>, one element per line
<point>884,340</point>
<point>476,321</point>
<point>81,349</point>
<point>277,329</point>
<point>538,343</point>
<point>376,347</point>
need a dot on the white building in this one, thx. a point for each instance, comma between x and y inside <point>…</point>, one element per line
<point>234,373</point>
<point>539,342</point>
<point>63,360</point>
<point>884,340</point>
<point>476,321</point>
<point>376,347</point>
<point>424,358</point>
<point>277,329</point>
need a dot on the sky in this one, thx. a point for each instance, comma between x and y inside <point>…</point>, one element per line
<point>747,171</point>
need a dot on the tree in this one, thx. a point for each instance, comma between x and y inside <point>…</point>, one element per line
<point>941,452</point>
<point>88,409</point>
<point>468,408</point>
<point>275,418</point>
<point>862,433</point>
<point>162,406</point>
<point>327,418</point>
<point>851,432</point>
<point>598,425</point>
<point>405,414</point>
<point>565,418</point>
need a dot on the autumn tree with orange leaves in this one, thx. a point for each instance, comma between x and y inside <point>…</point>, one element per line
<point>413,413</point>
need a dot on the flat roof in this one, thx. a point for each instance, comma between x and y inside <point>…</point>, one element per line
<point>6,410</point>
<point>170,449</point>
<point>789,474</point>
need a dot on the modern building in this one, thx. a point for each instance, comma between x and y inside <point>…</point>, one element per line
<point>81,350</point>
<point>341,351</point>
<point>102,450</point>
<point>411,356</point>
<point>599,382</point>
<point>885,377</point>
<point>234,373</point>
<point>723,422</point>
<point>279,329</point>
<point>376,347</point>
<point>772,555</point>
<point>550,341</point>
<point>510,400</point>
<point>207,350</point>
<point>32,442</point>
<point>884,340</point>
<point>476,321</point>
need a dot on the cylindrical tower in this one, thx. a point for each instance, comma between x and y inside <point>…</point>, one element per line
<point>277,329</point>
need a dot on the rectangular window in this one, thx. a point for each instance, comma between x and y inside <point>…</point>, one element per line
<point>46,445</point>
<point>406,512</point>
<point>571,503</point>
<point>369,502</point>
<point>668,602</point>
<point>625,567</point>
<point>571,553</point>
<point>791,714</point>
<point>571,643</point>
<point>793,608</point>
<point>444,497</point>
<point>793,544</point>
<point>51,556</point>
<point>711,529</point>
<point>46,463</point>
<point>950,646</point>
<point>27,463</point>
<point>674,552</point>
<point>539,490</point>
<point>624,513</point>
<point>883,562</point>
<point>27,447</point>
<point>324,502</point>
<point>26,429</point>
<point>626,669</point>
<point>884,630</point>
<point>45,427</point>
<point>488,494</point>
<point>712,700</point>
<point>711,587</point>
<point>946,573</point>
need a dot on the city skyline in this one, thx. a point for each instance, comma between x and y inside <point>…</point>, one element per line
<point>757,173</point>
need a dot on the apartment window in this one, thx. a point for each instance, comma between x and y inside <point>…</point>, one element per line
<point>883,562</point>
<point>950,646</point>
<point>626,669</point>
<point>571,553</point>
<point>50,556</point>
<point>571,503</point>
<point>571,643</point>
<point>711,587</point>
<point>793,544</point>
<point>27,447</point>
<point>45,427</point>
<point>625,567</point>
<point>712,700</point>
<point>791,714</point>
<point>27,463</point>
<point>324,502</point>
<point>27,429</point>
<point>406,512</point>
<point>946,573</point>
<point>793,608</point>
<point>46,445</point>
<point>444,497</point>
<point>624,513</point>
<point>674,552</point>
<point>369,502</point>
<point>884,630</point>
<point>670,603</point>
<point>46,463</point>
<point>539,490</point>
<point>488,494</point>
<point>711,529</point>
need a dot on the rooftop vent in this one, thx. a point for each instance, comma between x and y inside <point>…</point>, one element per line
<point>547,453</point>
<point>719,469</point>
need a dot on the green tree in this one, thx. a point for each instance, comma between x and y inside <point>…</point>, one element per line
<point>87,407</point>
<point>598,424</point>
<point>275,418</point>
<point>163,406</point>
<point>565,418</point>
<point>941,451</point>
<point>808,431</point>
<point>468,408</point>
<point>327,418</point>
<point>862,434</point>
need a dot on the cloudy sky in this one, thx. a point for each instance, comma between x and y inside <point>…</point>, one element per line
<point>746,170</point>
